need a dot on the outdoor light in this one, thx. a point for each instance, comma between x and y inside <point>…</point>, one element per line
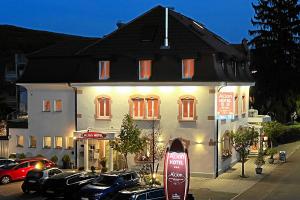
<point>74,138</point>
<point>253,71</point>
<point>39,165</point>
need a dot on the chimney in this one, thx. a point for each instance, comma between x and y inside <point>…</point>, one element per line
<point>166,40</point>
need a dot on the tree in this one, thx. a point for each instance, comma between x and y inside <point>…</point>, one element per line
<point>242,139</point>
<point>129,140</point>
<point>275,51</point>
<point>272,129</point>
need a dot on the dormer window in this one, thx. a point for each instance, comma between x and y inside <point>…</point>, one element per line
<point>144,69</point>
<point>104,70</point>
<point>188,68</point>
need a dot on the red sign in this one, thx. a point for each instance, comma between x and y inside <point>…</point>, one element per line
<point>225,103</point>
<point>93,135</point>
<point>176,172</point>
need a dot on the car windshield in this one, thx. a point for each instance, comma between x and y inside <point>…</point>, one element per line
<point>105,180</point>
<point>35,174</point>
<point>8,166</point>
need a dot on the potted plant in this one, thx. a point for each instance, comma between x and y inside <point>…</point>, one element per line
<point>103,165</point>
<point>66,161</point>
<point>259,162</point>
<point>271,152</point>
<point>54,159</point>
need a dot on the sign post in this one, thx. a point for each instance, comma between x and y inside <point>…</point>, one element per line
<point>176,171</point>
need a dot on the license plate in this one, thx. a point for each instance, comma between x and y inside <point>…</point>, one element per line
<point>84,198</point>
<point>32,181</point>
<point>50,191</point>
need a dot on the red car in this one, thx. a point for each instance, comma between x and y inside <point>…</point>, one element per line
<point>19,171</point>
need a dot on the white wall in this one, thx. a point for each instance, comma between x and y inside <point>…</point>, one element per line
<point>52,123</point>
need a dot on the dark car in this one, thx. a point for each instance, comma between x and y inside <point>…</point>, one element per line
<point>107,184</point>
<point>67,184</point>
<point>140,193</point>
<point>36,178</point>
<point>5,162</point>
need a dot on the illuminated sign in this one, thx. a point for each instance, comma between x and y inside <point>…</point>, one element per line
<point>93,135</point>
<point>225,104</point>
<point>176,172</point>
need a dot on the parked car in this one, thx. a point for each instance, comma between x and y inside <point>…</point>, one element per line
<point>19,171</point>
<point>45,163</point>
<point>67,184</point>
<point>140,193</point>
<point>107,184</point>
<point>36,178</point>
<point>4,162</point>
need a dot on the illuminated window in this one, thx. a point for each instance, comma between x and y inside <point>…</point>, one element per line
<point>187,108</point>
<point>58,142</point>
<point>47,142</point>
<point>58,105</point>
<point>226,146</point>
<point>188,68</point>
<point>104,70</point>
<point>236,105</point>
<point>243,104</point>
<point>46,106</point>
<point>152,108</point>
<point>20,141</point>
<point>69,142</point>
<point>103,107</point>
<point>144,69</point>
<point>32,141</point>
<point>138,108</point>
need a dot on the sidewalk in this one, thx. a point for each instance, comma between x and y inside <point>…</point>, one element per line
<point>230,184</point>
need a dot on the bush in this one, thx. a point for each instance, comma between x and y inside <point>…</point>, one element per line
<point>22,156</point>
<point>271,152</point>
<point>289,134</point>
<point>66,161</point>
<point>54,159</point>
<point>260,161</point>
<point>39,155</point>
<point>12,156</point>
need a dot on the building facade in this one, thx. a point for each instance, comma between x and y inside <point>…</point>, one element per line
<point>163,68</point>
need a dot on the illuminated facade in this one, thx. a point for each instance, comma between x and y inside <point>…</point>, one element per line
<point>163,77</point>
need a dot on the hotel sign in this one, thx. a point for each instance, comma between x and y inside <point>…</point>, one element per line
<point>225,104</point>
<point>93,135</point>
<point>176,172</point>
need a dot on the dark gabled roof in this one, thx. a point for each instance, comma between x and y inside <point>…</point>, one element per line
<point>142,38</point>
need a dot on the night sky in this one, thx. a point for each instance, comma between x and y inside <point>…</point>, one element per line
<point>228,18</point>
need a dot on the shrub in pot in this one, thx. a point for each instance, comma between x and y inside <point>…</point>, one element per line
<point>21,156</point>
<point>271,152</point>
<point>66,161</point>
<point>259,162</point>
<point>54,159</point>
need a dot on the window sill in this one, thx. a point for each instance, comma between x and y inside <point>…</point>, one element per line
<point>103,118</point>
<point>69,148</point>
<point>20,146</point>
<point>46,111</point>
<point>58,148</point>
<point>147,119</point>
<point>187,120</point>
<point>33,147</point>
<point>46,147</point>
<point>58,111</point>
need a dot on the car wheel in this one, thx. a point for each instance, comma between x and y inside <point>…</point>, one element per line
<point>5,179</point>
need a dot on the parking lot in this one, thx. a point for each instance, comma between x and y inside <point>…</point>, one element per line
<point>13,191</point>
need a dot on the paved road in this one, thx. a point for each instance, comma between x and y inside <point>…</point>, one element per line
<point>282,184</point>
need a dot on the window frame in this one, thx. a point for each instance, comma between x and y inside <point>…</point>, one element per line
<point>44,146</point>
<point>153,110</point>
<point>181,108</point>
<point>140,107</point>
<point>18,142</point>
<point>102,65</point>
<point>55,142</point>
<point>30,141</point>
<point>44,105</point>
<point>145,76</point>
<point>189,76</point>
<point>226,153</point>
<point>68,138</point>
<point>55,105</point>
<point>236,105</point>
<point>98,107</point>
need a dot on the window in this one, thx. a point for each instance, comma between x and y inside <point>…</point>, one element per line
<point>152,108</point>
<point>243,104</point>
<point>236,105</point>
<point>32,141</point>
<point>46,106</point>
<point>188,68</point>
<point>138,107</point>
<point>104,70</point>
<point>20,141</point>
<point>23,165</point>
<point>187,110</point>
<point>58,142</point>
<point>69,142</point>
<point>144,69</point>
<point>58,105</point>
<point>103,105</point>
<point>47,142</point>
<point>226,146</point>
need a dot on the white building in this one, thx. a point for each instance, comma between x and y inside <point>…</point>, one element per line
<point>78,93</point>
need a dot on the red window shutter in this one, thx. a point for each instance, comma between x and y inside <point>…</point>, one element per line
<point>142,68</point>
<point>141,107</point>
<point>191,102</point>
<point>191,67</point>
<point>179,109</point>
<point>101,103</point>
<point>185,108</point>
<point>107,104</point>
<point>107,67</point>
<point>156,112</point>
<point>135,107</point>
<point>236,105</point>
<point>102,73</point>
<point>148,68</point>
<point>185,69</point>
<point>149,102</point>
<point>130,107</point>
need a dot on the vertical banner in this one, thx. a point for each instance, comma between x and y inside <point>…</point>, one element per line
<point>225,104</point>
<point>176,171</point>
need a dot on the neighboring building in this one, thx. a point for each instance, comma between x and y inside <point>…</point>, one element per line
<point>82,90</point>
